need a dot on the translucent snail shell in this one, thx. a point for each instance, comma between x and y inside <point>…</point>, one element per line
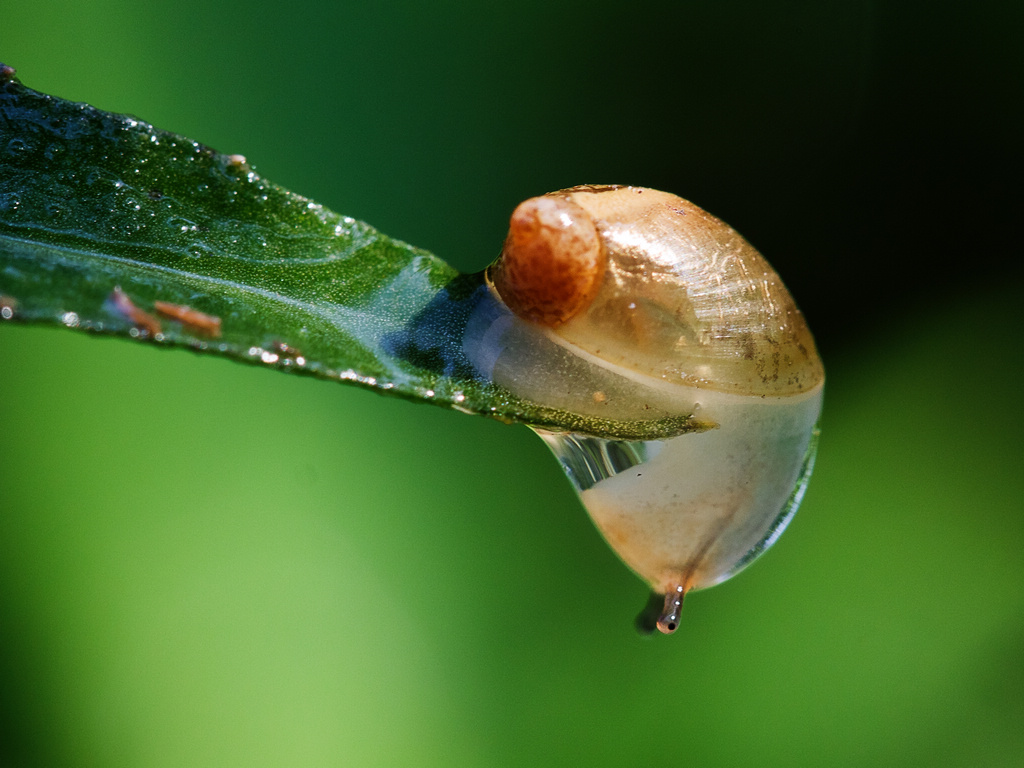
<point>630,303</point>
<point>683,297</point>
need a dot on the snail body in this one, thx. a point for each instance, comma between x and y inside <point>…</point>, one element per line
<point>629,303</point>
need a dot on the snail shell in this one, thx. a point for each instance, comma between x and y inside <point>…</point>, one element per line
<point>630,303</point>
<point>671,292</point>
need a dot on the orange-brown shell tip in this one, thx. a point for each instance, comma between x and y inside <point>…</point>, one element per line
<point>552,263</point>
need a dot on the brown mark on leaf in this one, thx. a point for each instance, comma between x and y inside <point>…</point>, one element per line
<point>119,303</point>
<point>286,350</point>
<point>193,319</point>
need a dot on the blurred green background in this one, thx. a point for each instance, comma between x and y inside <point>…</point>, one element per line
<point>208,564</point>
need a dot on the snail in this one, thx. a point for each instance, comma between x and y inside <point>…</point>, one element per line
<point>629,303</point>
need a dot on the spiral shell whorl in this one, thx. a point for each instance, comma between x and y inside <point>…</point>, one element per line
<point>552,263</point>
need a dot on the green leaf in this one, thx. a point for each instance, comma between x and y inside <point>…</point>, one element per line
<point>106,220</point>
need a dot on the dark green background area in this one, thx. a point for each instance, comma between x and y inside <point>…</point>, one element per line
<point>209,564</point>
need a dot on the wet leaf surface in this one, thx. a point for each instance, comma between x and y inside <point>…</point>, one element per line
<point>110,225</point>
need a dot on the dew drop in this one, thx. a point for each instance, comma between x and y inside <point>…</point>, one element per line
<point>181,224</point>
<point>668,621</point>
<point>690,511</point>
<point>18,147</point>
<point>198,250</point>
